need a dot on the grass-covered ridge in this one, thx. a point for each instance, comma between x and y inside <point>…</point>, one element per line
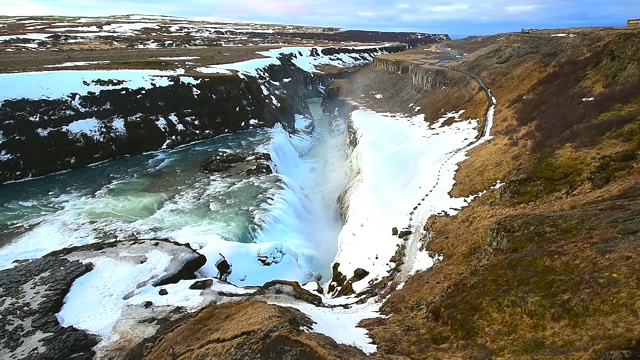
<point>546,266</point>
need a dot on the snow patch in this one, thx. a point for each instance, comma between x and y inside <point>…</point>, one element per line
<point>104,288</point>
<point>90,127</point>
<point>118,126</point>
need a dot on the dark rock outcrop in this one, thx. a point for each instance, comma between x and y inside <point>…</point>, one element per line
<point>233,164</point>
<point>32,293</point>
<point>36,139</point>
<point>290,288</point>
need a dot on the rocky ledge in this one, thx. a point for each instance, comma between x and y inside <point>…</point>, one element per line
<point>230,164</point>
<point>34,292</point>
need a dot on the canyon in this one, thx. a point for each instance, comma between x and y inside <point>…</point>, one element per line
<point>539,260</point>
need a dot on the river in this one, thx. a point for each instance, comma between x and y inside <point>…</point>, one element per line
<point>164,195</point>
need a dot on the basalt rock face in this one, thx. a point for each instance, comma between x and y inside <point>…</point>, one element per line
<point>153,118</point>
<point>32,293</point>
<point>37,136</point>
<point>426,78</point>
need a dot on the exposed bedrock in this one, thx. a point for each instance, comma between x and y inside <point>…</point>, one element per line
<point>423,77</point>
<point>36,139</point>
<point>249,330</point>
<point>33,292</point>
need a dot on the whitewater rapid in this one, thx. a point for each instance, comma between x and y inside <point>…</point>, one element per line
<point>288,218</point>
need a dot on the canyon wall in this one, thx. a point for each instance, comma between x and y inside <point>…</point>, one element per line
<point>43,136</point>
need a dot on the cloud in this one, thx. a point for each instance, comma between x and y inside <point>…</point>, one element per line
<point>447,8</point>
<point>436,16</point>
<point>520,8</point>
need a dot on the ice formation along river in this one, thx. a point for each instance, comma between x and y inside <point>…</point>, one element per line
<point>394,170</point>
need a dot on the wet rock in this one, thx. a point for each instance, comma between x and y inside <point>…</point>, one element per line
<point>291,288</point>
<point>163,292</point>
<point>220,162</point>
<point>201,284</point>
<point>232,164</point>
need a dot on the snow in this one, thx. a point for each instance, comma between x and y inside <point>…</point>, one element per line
<point>89,127</point>
<point>179,58</point>
<point>80,28</point>
<point>4,156</point>
<point>34,36</point>
<point>341,323</point>
<point>43,132</point>
<point>118,125</point>
<point>128,27</point>
<point>59,84</point>
<point>424,260</point>
<point>302,57</point>
<point>403,170</point>
<point>77,63</point>
<point>104,288</point>
<point>162,124</point>
<point>212,70</point>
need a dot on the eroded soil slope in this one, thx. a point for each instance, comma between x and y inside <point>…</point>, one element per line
<point>547,265</point>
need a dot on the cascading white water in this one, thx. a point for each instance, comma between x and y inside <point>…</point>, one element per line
<point>289,219</point>
<point>313,170</point>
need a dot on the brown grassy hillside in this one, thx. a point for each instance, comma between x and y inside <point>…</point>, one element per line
<point>545,267</point>
<point>548,265</point>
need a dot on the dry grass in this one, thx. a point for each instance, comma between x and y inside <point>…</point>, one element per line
<point>545,267</point>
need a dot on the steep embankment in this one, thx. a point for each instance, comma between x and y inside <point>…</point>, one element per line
<point>545,266</point>
<point>107,117</point>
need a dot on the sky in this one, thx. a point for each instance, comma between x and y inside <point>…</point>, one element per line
<point>454,17</point>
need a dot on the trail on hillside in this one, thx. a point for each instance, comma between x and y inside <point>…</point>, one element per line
<point>419,235</point>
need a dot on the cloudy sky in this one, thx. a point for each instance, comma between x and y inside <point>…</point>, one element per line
<point>456,17</point>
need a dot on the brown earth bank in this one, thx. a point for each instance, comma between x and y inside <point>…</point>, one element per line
<point>547,265</point>
<point>249,330</point>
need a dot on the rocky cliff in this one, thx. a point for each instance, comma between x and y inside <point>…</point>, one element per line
<point>47,135</point>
